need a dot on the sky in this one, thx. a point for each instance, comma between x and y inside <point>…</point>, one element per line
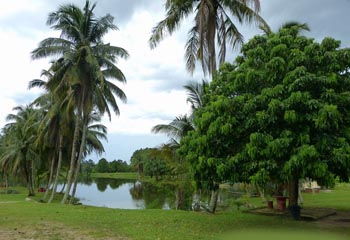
<point>155,78</point>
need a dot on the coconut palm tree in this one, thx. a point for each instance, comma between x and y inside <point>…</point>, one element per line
<point>55,129</point>
<point>18,151</point>
<point>195,93</point>
<point>213,25</point>
<point>84,66</point>
<point>181,125</point>
<point>176,129</point>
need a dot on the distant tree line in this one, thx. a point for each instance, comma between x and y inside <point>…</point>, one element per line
<point>104,166</point>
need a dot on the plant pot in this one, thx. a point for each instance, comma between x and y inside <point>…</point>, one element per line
<point>281,203</point>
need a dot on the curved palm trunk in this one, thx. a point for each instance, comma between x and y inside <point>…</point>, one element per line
<point>50,178</point>
<point>73,158</point>
<point>28,172</point>
<point>77,168</point>
<point>58,170</point>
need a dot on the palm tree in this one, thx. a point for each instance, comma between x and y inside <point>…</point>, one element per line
<point>181,125</point>
<point>94,133</point>
<point>195,93</point>
<point>18,151</point>
<point>55,128</point>
<point>84,66</point>
<point>176,129</point>
<point>213,24</point>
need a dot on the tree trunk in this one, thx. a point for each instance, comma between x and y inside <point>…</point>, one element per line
<point>261,192</point>
<point>32,177</point>
<point>77,167</point>
<point>64,183</point>
<point>293,192</point>
<point>293,199</point>
<point>73,158</point>
<point>213,200</point>
<point>58,170</point>
<point>28,175</point>
<point>50,178</point>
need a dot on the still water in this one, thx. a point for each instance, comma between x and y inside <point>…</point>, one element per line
<point>129,194</point>
<point>132,194</point>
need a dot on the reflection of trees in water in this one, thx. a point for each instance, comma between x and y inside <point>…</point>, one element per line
<point>86,180</point>
<point>136,191</point>
<point>158,195</point>
<point>116,183</point>
<point>102,183</point>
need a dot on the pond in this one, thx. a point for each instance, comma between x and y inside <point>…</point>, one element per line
<point>128,194</point>
<point>133,194</point>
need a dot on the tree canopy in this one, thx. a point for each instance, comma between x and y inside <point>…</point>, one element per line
<point>278,113</point>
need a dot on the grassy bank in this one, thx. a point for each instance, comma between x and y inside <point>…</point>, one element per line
<point>20,219</point>
<point>120,175</point>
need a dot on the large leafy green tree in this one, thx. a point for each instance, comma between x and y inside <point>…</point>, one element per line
<point>84,66</point>
<point>213,26</point>
<point>279,113</point>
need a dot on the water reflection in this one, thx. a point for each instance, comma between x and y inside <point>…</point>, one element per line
<point>132,194</point>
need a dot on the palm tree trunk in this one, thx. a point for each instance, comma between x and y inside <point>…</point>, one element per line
<point>64,183</point>
<point>28,176</point>
<point>77,168</point>
<point>73,158</point>
<point>50,178</point>
<point>58,170</point>
<point>32,178</point>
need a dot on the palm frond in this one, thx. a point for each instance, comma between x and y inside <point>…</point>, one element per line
<point>176,11</point>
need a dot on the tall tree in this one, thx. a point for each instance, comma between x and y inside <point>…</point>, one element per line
<point>18,151</point>
<point>85,65</point>
<point>94,133</point>
<point>213,26</point>
<point>280,113</point>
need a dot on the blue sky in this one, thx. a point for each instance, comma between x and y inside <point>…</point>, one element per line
<point>154,77</point>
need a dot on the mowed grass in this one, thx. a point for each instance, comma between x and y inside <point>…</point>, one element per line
<point>55,221</point>
<point>337,198</point>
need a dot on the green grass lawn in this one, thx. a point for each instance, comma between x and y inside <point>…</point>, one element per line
<point>34,220</point>
<point>119,175</point>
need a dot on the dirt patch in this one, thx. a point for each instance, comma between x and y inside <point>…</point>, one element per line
<point>49,231</point>
<point>322,217</point>
<point>340,219</point>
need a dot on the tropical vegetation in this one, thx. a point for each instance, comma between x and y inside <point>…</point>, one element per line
<point>78,91</point>
<point>278,114</point>
<point>214,26</point>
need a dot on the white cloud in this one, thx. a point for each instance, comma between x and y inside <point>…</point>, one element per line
<point>154,77</point>
<point>16,7</point>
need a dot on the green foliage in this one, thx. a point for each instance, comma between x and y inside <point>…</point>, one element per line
<point>103,166</point>
<point>279,113</point>
<point>213,28</point>
<point>87,167</point>
<point>149,161</point>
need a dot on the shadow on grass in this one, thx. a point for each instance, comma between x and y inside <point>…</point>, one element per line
<point>280,234</point>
